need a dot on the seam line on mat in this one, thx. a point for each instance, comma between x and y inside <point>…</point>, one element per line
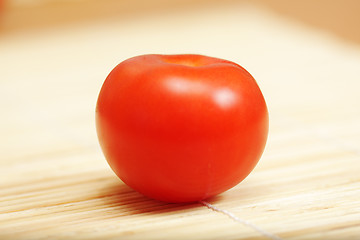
<point>242,221</point>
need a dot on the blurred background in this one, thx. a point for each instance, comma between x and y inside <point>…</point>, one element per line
<point>339,17</point>
<point>55,55</point>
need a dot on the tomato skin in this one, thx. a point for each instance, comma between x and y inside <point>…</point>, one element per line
<point>181,128</point>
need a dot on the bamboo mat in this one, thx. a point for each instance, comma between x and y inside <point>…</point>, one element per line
<point>56,184</point>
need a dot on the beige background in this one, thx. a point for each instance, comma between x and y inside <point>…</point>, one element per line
<point>341,17</point>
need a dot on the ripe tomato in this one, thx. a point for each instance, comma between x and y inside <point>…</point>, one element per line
<point>181,128</point>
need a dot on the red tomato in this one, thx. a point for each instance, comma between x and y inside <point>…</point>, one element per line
<point>181,128</point>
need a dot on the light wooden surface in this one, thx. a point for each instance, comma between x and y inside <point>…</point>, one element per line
<point>56,184</point>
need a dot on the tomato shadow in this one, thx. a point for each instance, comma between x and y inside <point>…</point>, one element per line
<point>119,197</point>
<point>124,199</point>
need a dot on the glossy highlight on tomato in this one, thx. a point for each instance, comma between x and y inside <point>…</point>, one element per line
<point>181,128</point>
